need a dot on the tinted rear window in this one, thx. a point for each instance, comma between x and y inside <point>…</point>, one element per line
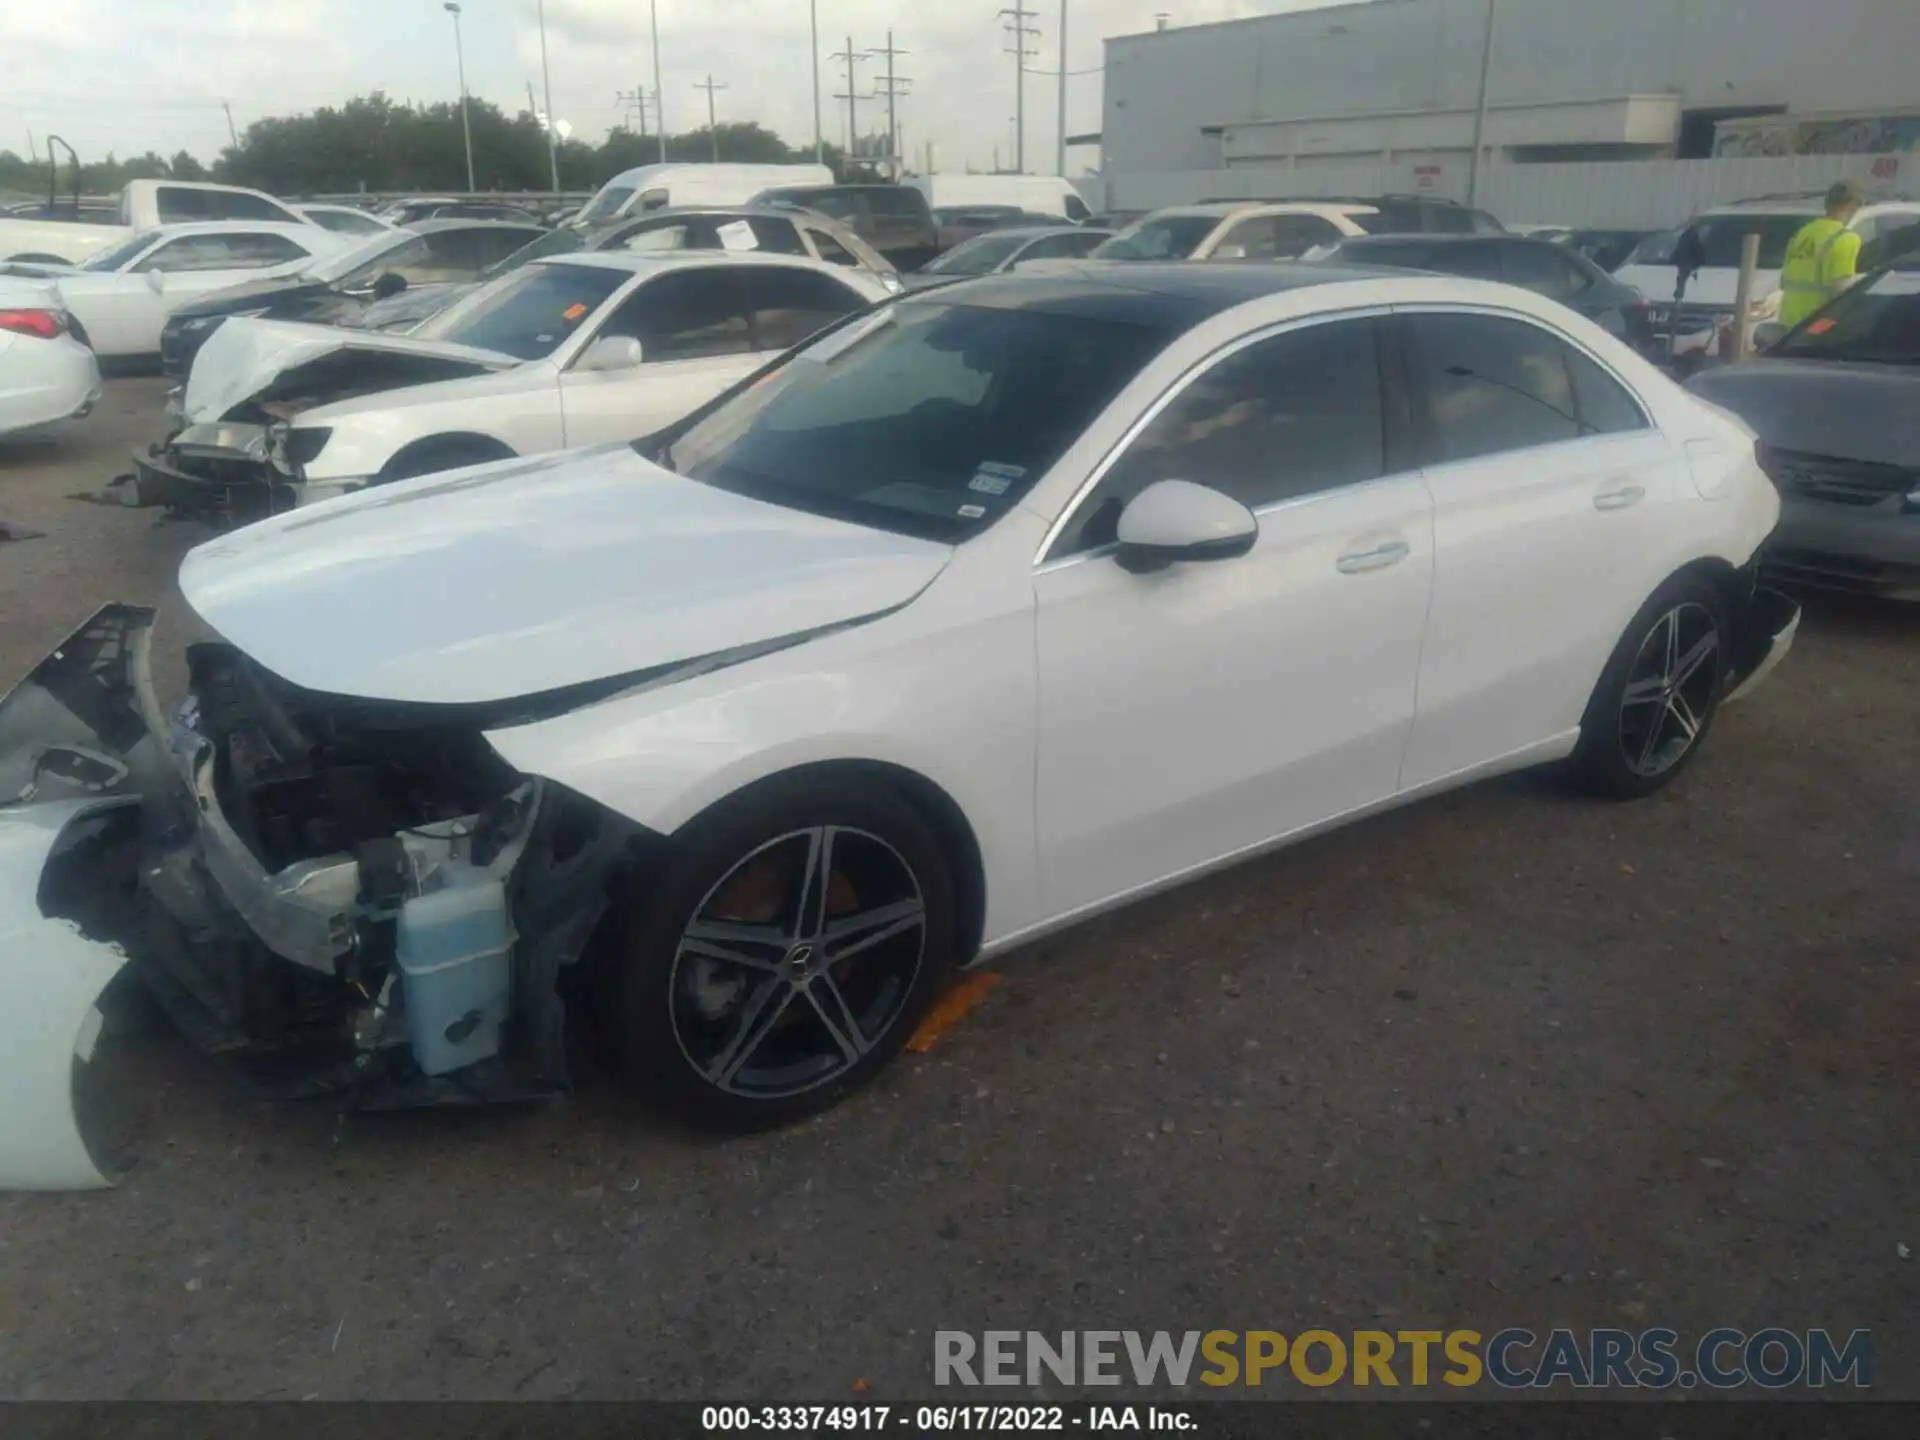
<point>897,201</point>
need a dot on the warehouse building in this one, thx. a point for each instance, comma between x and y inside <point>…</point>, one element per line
<point>1384,96</point>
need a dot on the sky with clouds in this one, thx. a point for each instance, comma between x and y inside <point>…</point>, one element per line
<point>133,75</point>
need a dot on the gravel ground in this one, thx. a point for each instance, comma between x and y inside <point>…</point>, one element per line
<point>1506,1058</point>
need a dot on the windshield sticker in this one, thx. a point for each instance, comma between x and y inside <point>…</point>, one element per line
<point>993,478</point>
<point>574,311</point>
<point>738,235</point>
<point>1820,327</point>
<point>972,512</point>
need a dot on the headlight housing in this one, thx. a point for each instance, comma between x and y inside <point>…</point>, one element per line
<point>292,450</point>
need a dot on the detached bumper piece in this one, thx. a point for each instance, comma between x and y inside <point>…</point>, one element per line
<point>1764,632</point>
<point>218,473</point>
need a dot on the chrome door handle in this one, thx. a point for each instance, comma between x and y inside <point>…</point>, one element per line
<point>1619,499</point>
<point>1379,558</point>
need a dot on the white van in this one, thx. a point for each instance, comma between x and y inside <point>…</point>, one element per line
<point>655,187</point>
<point>1036,194</point>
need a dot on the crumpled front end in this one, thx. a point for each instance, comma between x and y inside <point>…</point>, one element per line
<point>346,897</point>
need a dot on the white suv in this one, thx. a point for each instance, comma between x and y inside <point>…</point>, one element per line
<point>1238,230</point>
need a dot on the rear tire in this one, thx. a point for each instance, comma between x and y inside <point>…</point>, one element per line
<point>785,953</point>
<point>1659,693</point>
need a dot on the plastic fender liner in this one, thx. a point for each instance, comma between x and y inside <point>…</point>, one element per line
<point>51,979</point>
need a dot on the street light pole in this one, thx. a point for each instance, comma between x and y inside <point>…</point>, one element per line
<point>1480,111</point>
<point>460,59</point>
<point>546,83</point>
<point>659,94</point>
<point>1060,147</point>
<point>819,141</point>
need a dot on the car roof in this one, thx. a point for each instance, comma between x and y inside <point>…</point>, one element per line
<point>637,261</point>
<point>459,222</point>
<point>1384,242</point>
<point>1037,232</point>
<point>1224,208</point>
<point>1174,293</point>
<point>177,228</point>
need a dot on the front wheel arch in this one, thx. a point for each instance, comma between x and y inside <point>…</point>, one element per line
<point>450,451</point>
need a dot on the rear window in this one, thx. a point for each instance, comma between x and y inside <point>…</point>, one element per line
<point>897,200</point>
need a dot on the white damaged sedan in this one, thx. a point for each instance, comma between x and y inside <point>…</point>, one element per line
<point>983,612</point>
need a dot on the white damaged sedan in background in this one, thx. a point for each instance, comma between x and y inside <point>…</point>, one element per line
<point>982,612</point>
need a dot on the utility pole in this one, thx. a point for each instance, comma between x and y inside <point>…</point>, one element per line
<point>713,128</point>
<point>896,86</point>
<point>1480,111</point>
<point>1019,31</point>
<point>659,93</point>
<point>466,131</point>
<point>1060,148</point>
<point>634,103</point>
<point>546,83</point>
<point>813,64</point>
<point>233,136</point>
<point>850,57</point>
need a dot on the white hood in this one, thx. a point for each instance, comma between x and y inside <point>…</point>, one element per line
<point>1713,285</point>
<point>245,356</point>
<point>516,578</point>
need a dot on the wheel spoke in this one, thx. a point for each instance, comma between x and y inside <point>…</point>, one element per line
<point>729,943</point>
<point>1654,732</point>
<point>837,1016</point>
<point>1673,645</point>
<point>1644,692</point>
<point>1683,713</point>
<point>1695,658</point>
<point>814,885</point>
<point>853,933</point>
<point>762,1013</point>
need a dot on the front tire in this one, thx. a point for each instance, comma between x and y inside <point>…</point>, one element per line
<point>786,952</point>
<point>1659,693</point>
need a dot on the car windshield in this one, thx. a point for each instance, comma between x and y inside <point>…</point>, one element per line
<point>1171,237</point>
<point>554,242</point>
<point>977,256</point>
<point>1877,320</point>
<point>114,256</point>
<point>930,417</point>
<point>362,261</point>
<point>1655,249</point>
<point>528,313</point>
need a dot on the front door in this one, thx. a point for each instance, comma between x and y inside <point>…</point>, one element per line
<point>1205,709</point>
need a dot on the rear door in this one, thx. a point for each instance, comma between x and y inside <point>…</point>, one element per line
<point>695,338</point>
<point>1552,498</point>
<point>192,266</point>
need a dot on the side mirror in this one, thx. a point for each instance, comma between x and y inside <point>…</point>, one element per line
<point>156,281</point>
<point>610,352</point>
<point>1767,334</point>
<point>1176,520</point>
<point>389,284</point>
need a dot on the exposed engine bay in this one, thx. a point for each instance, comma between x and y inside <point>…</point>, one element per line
<point>344,895</point>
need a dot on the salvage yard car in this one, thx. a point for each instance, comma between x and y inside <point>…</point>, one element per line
<point>46,374</point>
<point>68,235</point>
<point>566,351</point>
<point>339,289</point>
<point>945,630</point>
<point>1837,405</point>
<point>121,297</point>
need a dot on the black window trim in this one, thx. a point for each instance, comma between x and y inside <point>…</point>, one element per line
<point>1392,397</point>
<point>1425,451</point>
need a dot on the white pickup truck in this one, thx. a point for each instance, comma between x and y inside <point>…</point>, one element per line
<point>143,205</point>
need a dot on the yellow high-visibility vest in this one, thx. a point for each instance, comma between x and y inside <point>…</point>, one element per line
<point>1822,255</point>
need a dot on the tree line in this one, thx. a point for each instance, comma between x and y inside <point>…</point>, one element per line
<point>372,143</point>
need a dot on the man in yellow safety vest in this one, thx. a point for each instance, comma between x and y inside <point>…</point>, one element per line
<point>1823,258</point>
